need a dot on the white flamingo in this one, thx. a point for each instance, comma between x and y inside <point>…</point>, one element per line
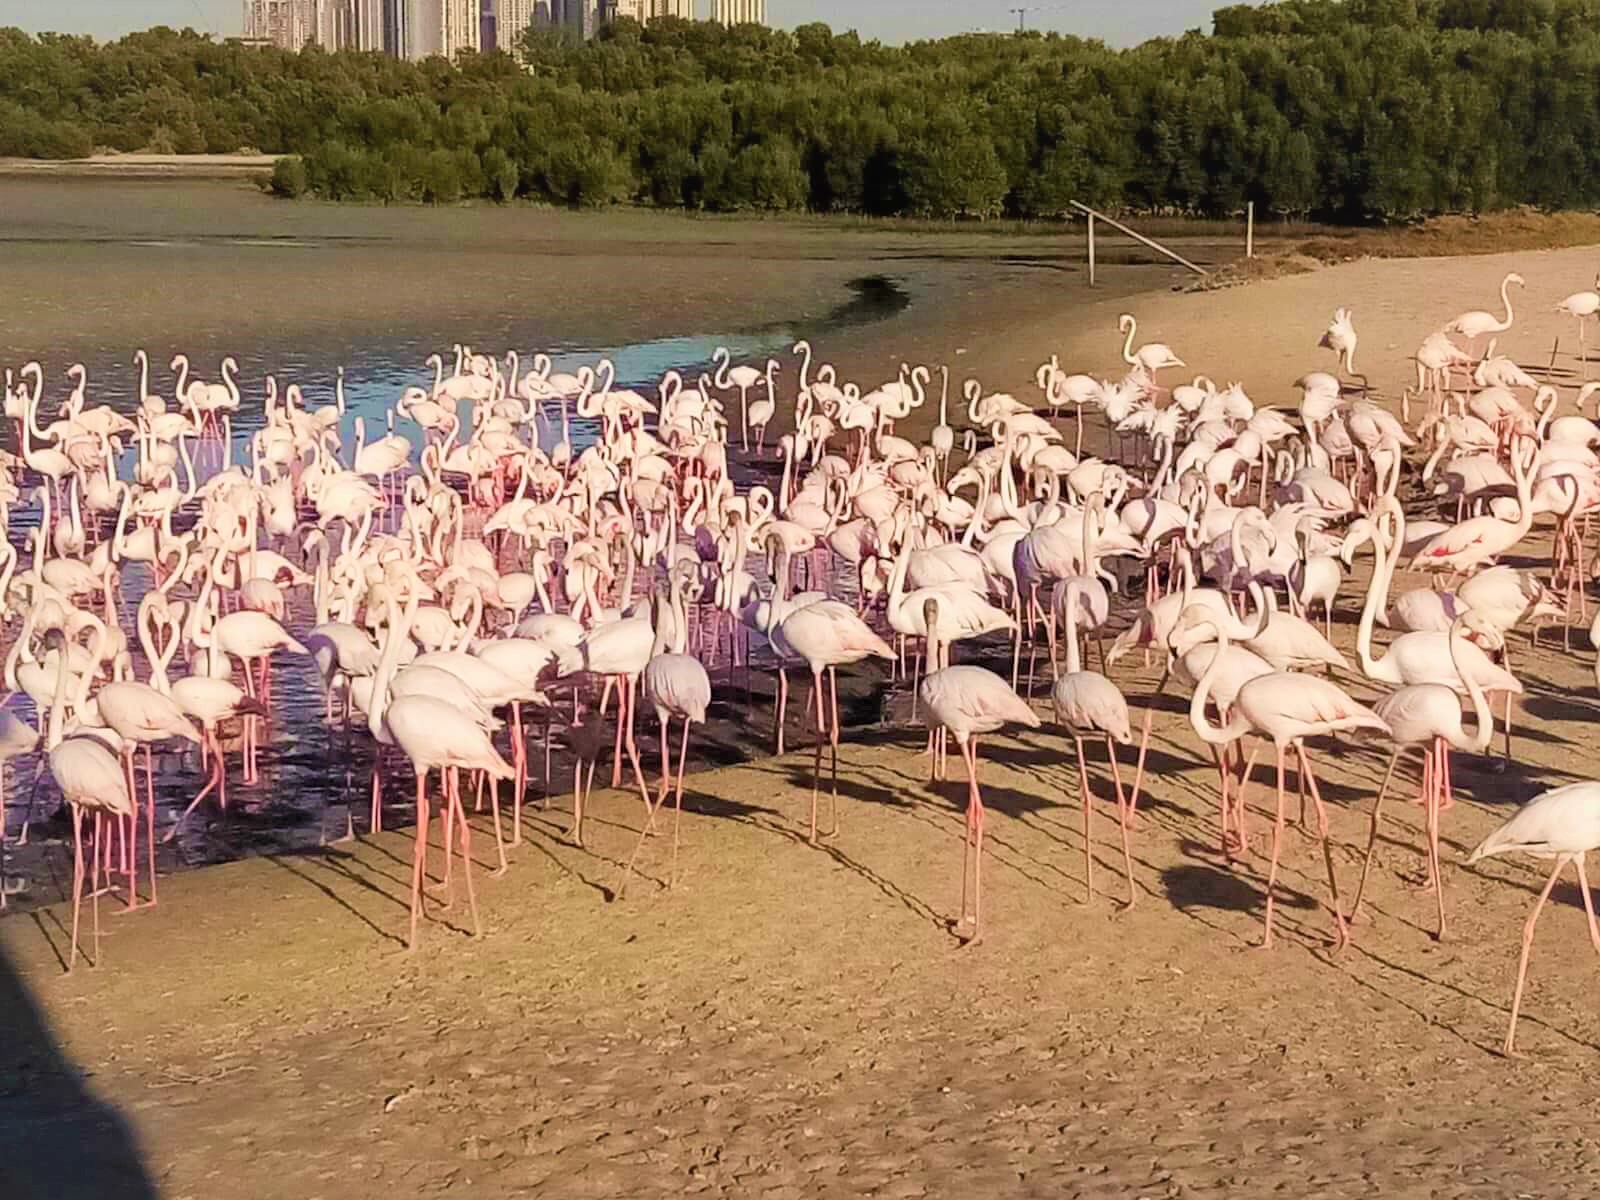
<point>1089,704</point>
<point>969,701</point>
<point>1563,824</point>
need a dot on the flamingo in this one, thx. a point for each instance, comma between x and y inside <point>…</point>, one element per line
<point>1189,657</point>
<point>433,734</point>
<point>742,377</point>
<point>1476,323</point>
<point>1152,356</point>
<point>1340,337</point>
<point>1428,716</point>
<point>968,701</point>
<point>827,635</point>
<point>1478,539</point>
<point>1563,824</point>
<point>763,409</point>
<point>618,651</point>
<point>677,686</point>
<point>139,714</point>
<point>91,779</point>
<point>1288,708</point>
<point>943,438</point>
<point>1424,656</point>
<point>1581,306</point>
<point>1087,703</point>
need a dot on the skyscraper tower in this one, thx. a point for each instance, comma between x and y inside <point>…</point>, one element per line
<point>512,18</point>
<point>367,25</point>
<point>582,17</point>
<point>459,26</point>
<point>288,24</point>
<point>739,12</point>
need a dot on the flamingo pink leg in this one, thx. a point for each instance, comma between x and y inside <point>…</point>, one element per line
<point>1372,833</point>
<point>466,849</point>
<point>77,880</point>
<point>1124,810</point>
<point>419,856</point>
<point>972,852</point>
<point>1342,933</point>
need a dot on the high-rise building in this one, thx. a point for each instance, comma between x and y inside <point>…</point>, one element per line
<point>644,11</point>
<point>582,17</point>
<point>512,18</point>
<point>459,27</point>
<point>333,24</point>
<point>488,27</point>
<point>288,24</point>
<point>367,25</point>
<point>739,12</point>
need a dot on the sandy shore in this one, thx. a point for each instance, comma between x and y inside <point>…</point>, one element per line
<point>794,1021</point>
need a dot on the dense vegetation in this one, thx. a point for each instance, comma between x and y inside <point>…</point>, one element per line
<point>1354,111</point>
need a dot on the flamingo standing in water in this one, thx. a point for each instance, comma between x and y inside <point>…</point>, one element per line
<point>1288,708</point>
<point>1089,704</point>
<point>1428,715</point>
<point>969,701</point>
<point>1563,824</point>
<point>742,377</point>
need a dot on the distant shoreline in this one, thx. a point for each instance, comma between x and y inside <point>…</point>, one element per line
<point>142,166</point>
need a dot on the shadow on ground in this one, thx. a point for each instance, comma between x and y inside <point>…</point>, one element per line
<point>61,1141</point>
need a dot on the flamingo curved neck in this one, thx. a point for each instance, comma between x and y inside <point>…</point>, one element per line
<point>1483,719</point>
<point>1238,726</point>
<point>1378,591</point>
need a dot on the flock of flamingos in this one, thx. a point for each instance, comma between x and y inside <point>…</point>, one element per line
<point>639,560</point>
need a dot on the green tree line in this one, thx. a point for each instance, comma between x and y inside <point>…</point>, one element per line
<point>1358,110</point>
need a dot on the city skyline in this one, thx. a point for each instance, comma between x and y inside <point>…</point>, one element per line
<point>1119,22</point>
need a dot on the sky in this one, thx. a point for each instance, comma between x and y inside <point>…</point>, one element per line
<point>1119,22</point>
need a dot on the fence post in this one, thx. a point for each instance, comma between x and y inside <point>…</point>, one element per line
<point>1250,229</point>
<point>1091,249</point>
<point>1094,215</point>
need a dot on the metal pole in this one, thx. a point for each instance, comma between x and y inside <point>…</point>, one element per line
<point>1137,236</point>
<point>1250,229</point>
<point>1091,249</point>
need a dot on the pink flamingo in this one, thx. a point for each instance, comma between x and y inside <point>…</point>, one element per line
<point>1428,715</point>
<point>1288,708</point>
<point>1088,704</point>
<point>1476,323</point>
<point>1478,539</point>
<point>433,734</point>
<point>677,686</point>
<point>1563,824</point>
<point>968,701</point>
<point>618,651</point>
<point>1191,656</point>
<point>826,635</point>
